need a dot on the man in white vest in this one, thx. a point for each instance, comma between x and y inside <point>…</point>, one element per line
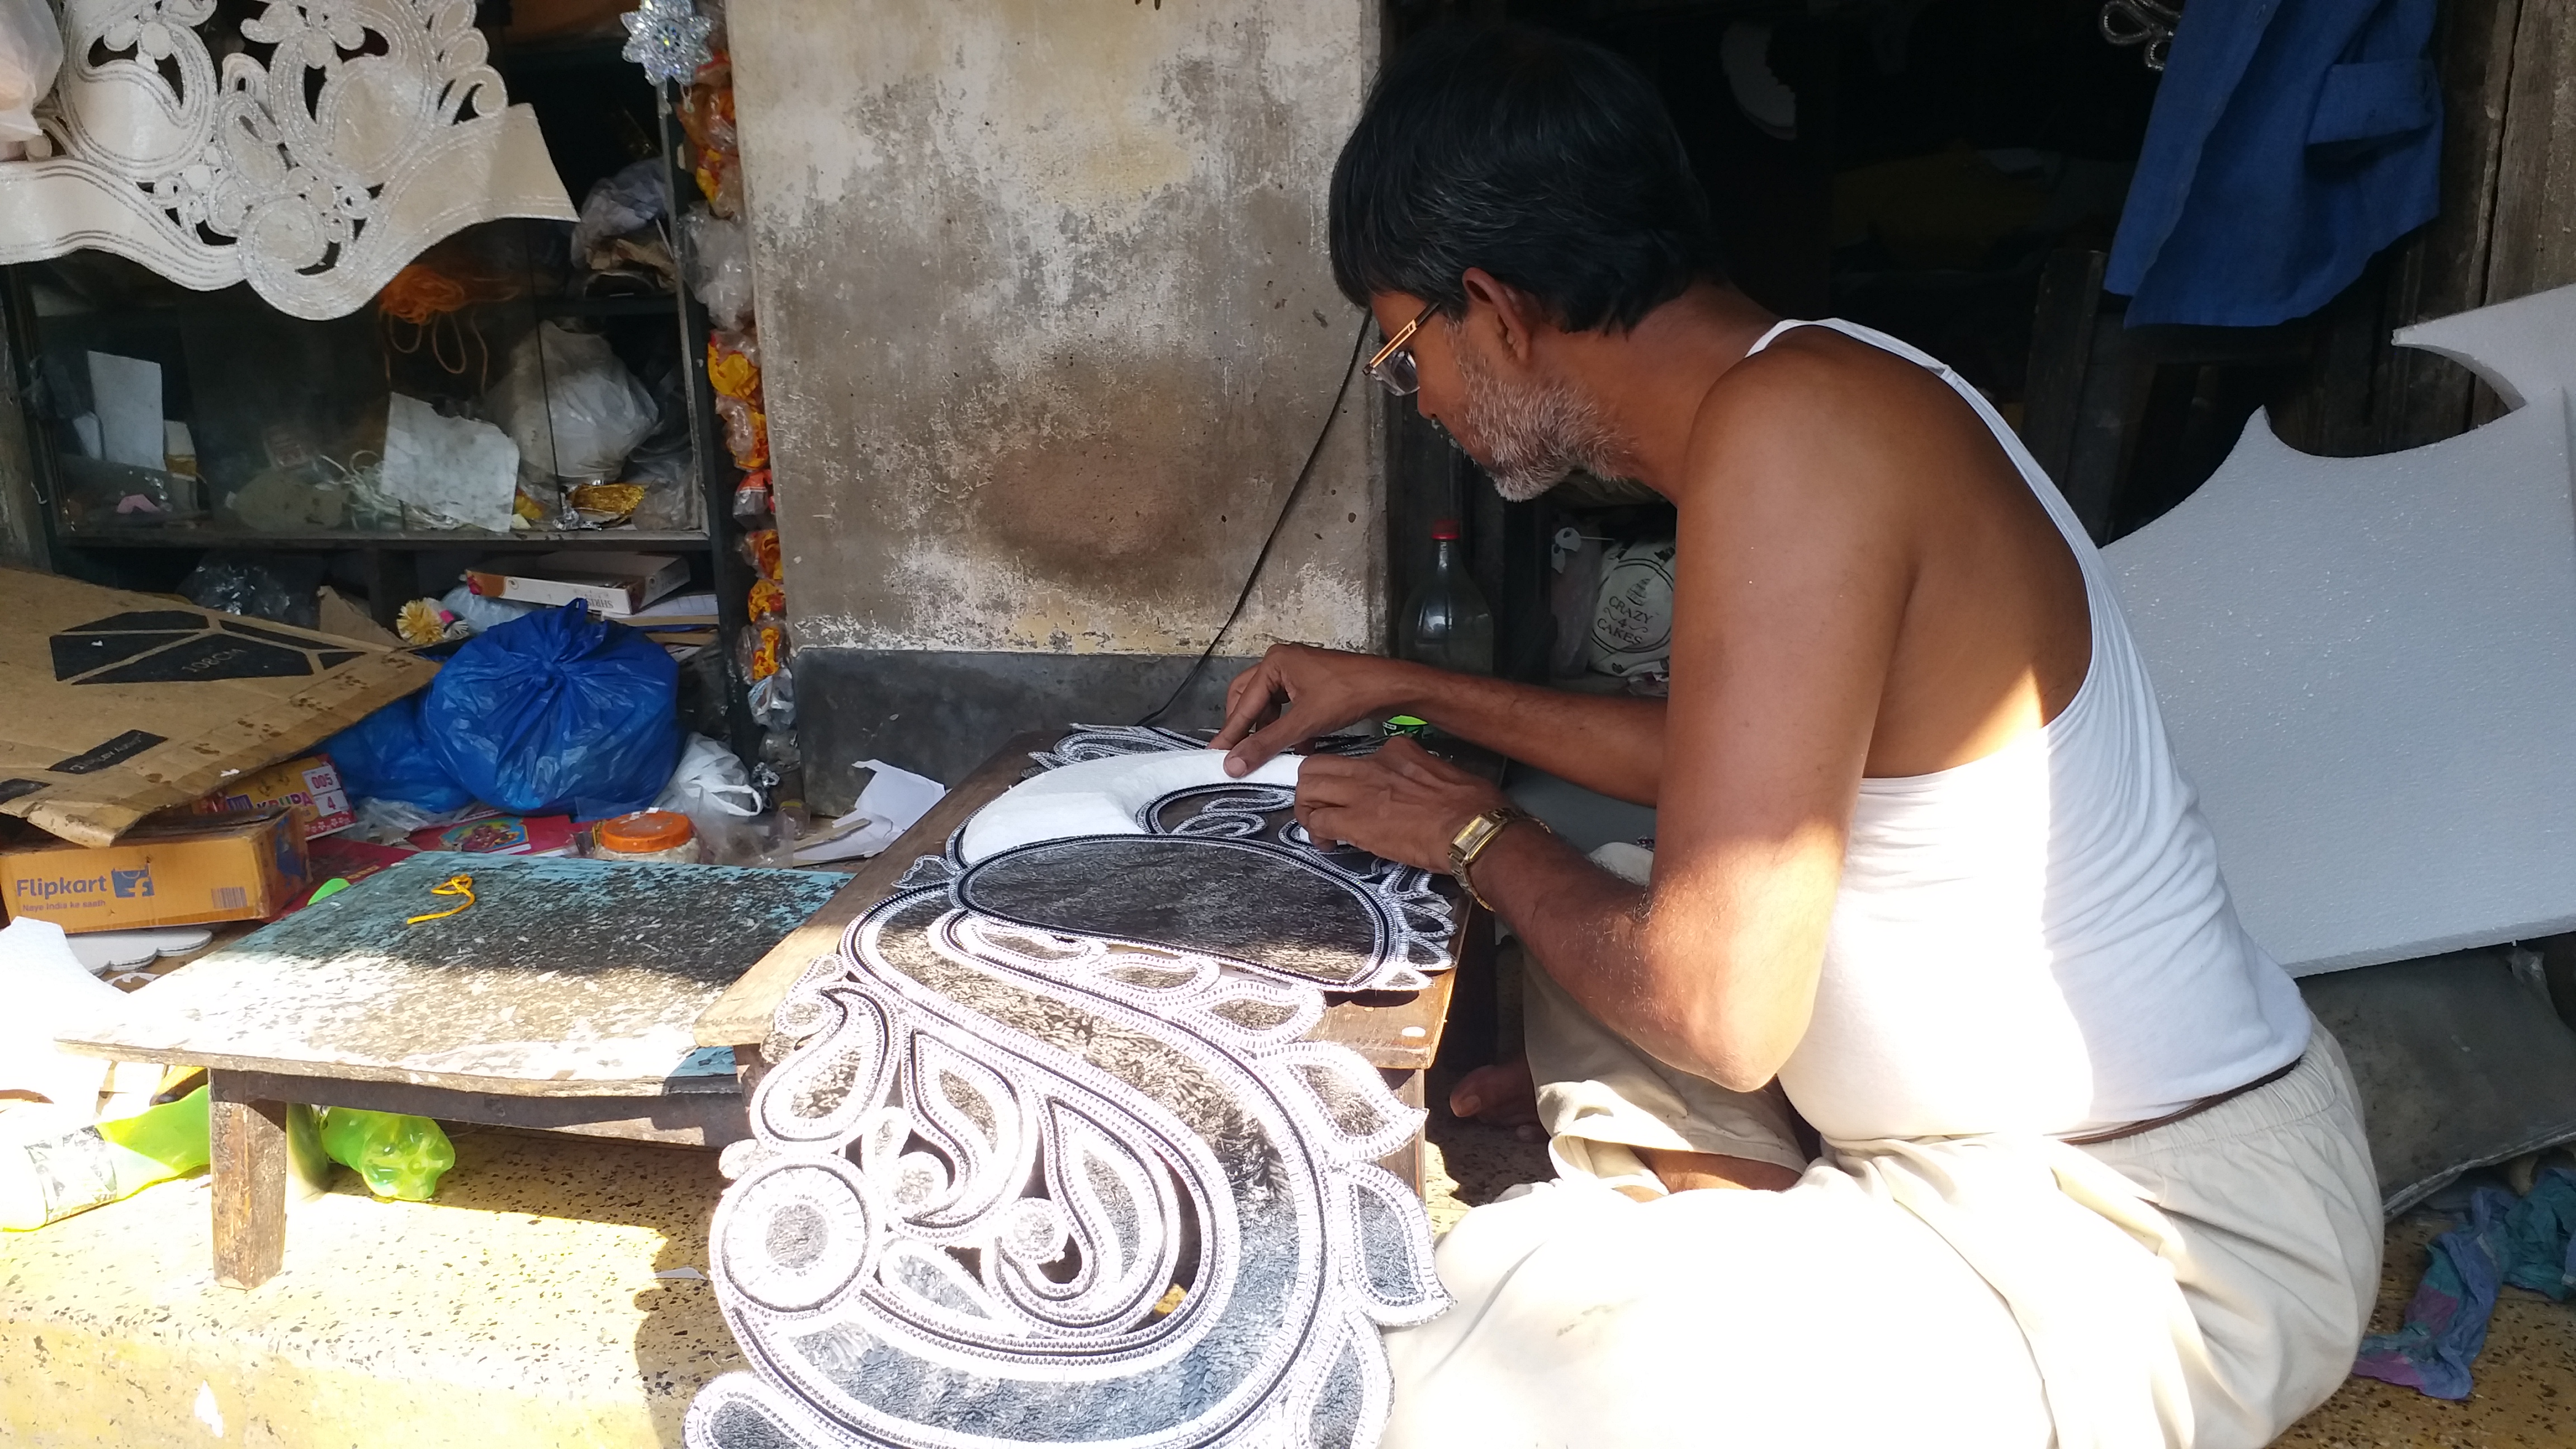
<point>1927,876</point>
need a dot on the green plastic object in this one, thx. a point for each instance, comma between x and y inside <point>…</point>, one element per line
<point>399,1156</point>
<point>48,1181</point>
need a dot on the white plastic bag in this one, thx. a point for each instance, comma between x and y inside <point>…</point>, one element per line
<point>480,613</point>
<point>619,204</point>
<point>31,52</point>
<point>712,788</point>
<point>710,780</point>
<point>570,405</point>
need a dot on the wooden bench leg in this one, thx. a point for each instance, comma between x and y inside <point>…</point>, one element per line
<point>249,1181</point>
<point>1406,1161</point>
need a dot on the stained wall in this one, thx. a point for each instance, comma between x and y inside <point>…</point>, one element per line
<point>1048,328</point>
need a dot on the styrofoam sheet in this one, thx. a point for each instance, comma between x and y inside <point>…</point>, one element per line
<point>2368,667</point>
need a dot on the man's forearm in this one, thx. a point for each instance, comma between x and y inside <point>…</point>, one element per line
<point>1610,743</point>
<point>1584,927</point>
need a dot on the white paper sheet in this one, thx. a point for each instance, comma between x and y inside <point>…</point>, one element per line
<point>127,393</point>
<point>890,805</point>
<point>449,472</point>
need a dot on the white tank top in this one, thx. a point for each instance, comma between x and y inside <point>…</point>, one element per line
<point>2039,940</point>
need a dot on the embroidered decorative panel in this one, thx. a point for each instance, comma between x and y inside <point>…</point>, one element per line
<point>1050,1160</point>
<point>371,129</point>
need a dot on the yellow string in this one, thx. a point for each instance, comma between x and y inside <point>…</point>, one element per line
<point>461,885</point>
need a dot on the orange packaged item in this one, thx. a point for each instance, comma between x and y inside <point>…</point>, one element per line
<point>767,599</point>
<point>760,550</point>
<point>733,371</point>
<point>746,432</point>
<point>665,836</point>
<point>757,650</point>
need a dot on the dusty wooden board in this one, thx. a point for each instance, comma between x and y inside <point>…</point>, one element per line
<point>122,704</point>
<point>1375,1025</point>
<point>565,978</point>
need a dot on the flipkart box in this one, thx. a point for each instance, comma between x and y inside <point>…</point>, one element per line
<point>175,873</point>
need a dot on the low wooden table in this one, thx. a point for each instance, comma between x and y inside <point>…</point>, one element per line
<point>561,999</point>
<point>573,996</point>
<point>1398,1033</point>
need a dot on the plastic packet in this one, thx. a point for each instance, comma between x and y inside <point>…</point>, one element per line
<point>398,1155</point>
<point>720,267</point>
<point>773,700</point>
<point>746,432</point>
<point>618,204</point>
<point>752,500</point>
<point>281,589</point>
<point>760,550</point>
<point>759,650</point>
<point>767,600</point>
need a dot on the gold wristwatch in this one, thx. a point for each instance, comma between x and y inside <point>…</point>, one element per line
<point>1475,835</point>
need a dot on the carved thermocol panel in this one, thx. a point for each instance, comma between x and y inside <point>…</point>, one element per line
<point>372,129</point>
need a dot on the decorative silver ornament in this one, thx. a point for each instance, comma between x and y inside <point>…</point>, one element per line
<point>1050,1163</point>
<point>668,38</point>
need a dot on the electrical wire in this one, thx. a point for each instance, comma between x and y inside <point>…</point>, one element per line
<point>1359,344</point>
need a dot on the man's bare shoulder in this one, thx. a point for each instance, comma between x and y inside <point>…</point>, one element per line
<point>1823,414</point>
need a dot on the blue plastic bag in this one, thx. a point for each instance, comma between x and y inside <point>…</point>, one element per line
<point>557,712</point>
<point>384,757</point>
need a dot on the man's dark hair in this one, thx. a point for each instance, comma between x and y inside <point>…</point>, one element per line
<point>1546,161</point>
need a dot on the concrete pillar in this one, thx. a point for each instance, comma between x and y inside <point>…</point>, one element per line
<point>1047,328</point>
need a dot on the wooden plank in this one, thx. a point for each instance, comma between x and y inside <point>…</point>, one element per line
<point>1398,1030</point>
<point>2443,268</point>
<point>1406,1161</point>
<point>696,1119</point>
<point>248,1180</point>
<point>741,1017</point>
<point>564,977</point>
<point>2535,207</point>
<point>2061,350</point>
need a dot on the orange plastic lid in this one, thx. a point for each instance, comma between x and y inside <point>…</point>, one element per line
<point>643,832</point>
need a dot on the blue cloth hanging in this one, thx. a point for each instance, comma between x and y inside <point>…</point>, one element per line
<point>2290,141</point>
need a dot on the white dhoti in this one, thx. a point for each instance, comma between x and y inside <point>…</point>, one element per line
<point>2203,1283</point>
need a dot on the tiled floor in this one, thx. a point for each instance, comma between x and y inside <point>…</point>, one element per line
<point>2526,1379</point>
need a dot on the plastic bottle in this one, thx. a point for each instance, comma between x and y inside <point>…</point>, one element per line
<point>395,1154</point>
<point>781,772</point>
<point>1445,623</point>
<point>85,1167</point>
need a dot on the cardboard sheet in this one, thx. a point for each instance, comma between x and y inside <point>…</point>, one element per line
<point>122,704</point>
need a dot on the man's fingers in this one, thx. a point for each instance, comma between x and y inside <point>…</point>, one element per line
<point>1247,699</point>
<point>1412,761</point>
<point>1319,820</point>
<point>1262,745</point>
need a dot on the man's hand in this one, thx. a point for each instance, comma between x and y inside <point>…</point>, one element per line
<point>1323,689</point>
<point>1400,803</point>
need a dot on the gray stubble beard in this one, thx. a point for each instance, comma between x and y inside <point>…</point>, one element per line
<point>1532,437</point>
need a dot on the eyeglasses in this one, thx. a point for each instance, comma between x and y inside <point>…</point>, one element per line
<point>1391,366</point>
